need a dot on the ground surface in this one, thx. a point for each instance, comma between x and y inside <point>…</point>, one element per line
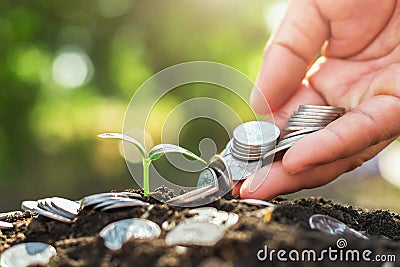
<point>79,244</point>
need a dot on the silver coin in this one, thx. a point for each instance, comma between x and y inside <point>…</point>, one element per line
<point>195,233</point>
<point>168,226</point>
<point>304,131</point>
<point>338,109</point>
<point>256,133</point>
<point>95,201</point>
<point>46,205</point>
<point>125,204</point>
<point>6,225</point>
<point>215,216</point>
<point>248,156</point>
<point>243,147</point>
<point>127,194</point>
<point>297,128</point>
<point>327,108</point>
<point>241,169</point>
<point>321,111</point>
<point>99,197</point>
<point>313,115</point>
<point>220,217</point>
<point>245,157</point>
<point>66,205</point>
<point>279,148</point>
<point>33,206</point>
<point>6,215</point>
<point>107,202</point>
<point>201,198</point>
<point>42,203</point>
<point>117,233</point>
<point>236,149</point>
<point>52,215</point>
<point>239,154</point>
<point>219,165</point>
<point>204,211</point>
<point>329,225</point>
<point>193,198</point>
<point>26,254</point>
<point>29,205</point>
<point>218,175</point>
<point>228,147</point>
<point>316,120</point>
<point>257,202</point>
<point>306,124</point>
<point>292,139</point>
<point>233,218</point>
<point>207,177</point>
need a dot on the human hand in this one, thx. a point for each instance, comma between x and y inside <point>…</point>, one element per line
<point>359,70</point>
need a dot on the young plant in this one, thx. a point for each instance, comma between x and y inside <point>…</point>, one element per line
<point>155,153</point>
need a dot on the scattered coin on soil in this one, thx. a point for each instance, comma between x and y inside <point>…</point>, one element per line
<point>66,205</point>
<point>117,233</point>
<point>6,225</point>
<point>195,233</point>
<point>257,202</point>
<point>329,225</point>
<point>26,254</point>
<point>6,215</point>
<point>33,206</point>
<point>125,204</point>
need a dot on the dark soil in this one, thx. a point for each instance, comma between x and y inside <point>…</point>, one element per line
<point>79,244</point>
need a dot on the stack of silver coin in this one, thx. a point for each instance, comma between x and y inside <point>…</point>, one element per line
<point>245,152</point>
<point>308,119</point>
<point>249,151</point>
<point>56,208</point>
<point>313,117</point>
<point>251,140</point>
<point>109,201</point>
<point>65,210</point>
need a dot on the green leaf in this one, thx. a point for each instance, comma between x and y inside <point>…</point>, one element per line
<point>127,138</point>
<point>162,149</point>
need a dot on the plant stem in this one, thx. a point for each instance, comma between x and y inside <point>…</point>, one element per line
<point>146,166</point>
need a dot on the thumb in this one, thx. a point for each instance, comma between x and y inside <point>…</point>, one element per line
<point>288,54</point>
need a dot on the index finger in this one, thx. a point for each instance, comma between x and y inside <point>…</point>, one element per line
<point>372,122</point>
<point>288,55</point>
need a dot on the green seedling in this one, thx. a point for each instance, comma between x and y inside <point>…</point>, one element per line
<point>155,153</point>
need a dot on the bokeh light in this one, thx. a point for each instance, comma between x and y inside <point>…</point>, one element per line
<point>72,68</point>
<point>389,166</point>
<point>274,13</point>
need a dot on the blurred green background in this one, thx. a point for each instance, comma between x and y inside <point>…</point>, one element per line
<point>69,69</point>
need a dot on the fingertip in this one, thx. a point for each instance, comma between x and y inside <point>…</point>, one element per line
<point>259,185</point>
<point>301,156</point>
<point>292,163</point>
<point>236,188</point>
